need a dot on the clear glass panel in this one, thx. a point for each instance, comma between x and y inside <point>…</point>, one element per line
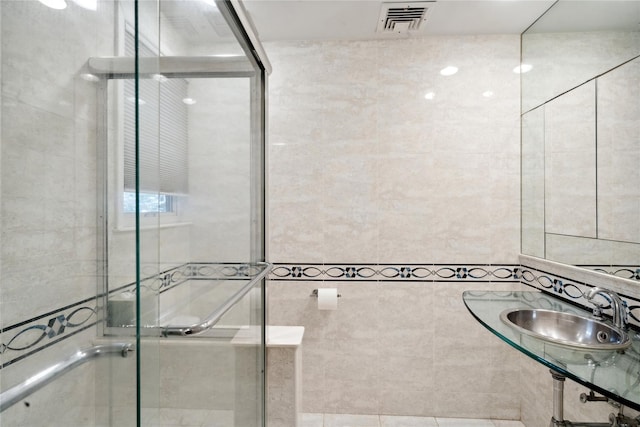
<point>51,267</point>
<point>604,370</point>
<point>201,100</point>
<point>130,203</point>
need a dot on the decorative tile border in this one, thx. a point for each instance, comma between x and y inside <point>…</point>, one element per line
<point>223,271</point>
<point>560,286</point>
<point>574,291</point>
<point>169,279</point>
<point>28,337</point>
<point>396,272</point>
<point>25,338</point>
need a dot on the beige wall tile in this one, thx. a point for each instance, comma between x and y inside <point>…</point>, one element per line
<point>408,341</point>
<point>401,177</point>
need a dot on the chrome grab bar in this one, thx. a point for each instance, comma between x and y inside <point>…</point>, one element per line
<point>214,317</point>
<point>44,377</point>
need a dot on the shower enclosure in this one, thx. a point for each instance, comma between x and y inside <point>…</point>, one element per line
<point>132,214</point>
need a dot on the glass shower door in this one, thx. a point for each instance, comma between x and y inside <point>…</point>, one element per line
<point>199,375</point>
<point>154,109</point>
<point>49,308</point>
<point>185,194</point>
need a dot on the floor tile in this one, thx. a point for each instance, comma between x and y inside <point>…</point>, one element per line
<point>463,422</point>
<point>346,420</point>
<point>311,420</point>
<point>402,421</point>
<point>352,420</point>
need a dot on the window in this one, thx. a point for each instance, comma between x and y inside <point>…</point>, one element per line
<point>163,143</point>
<point>149,203</point>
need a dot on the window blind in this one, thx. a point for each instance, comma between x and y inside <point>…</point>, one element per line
<point>163,124</point>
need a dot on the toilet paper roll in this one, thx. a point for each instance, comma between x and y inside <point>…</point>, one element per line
<point>327,299</point>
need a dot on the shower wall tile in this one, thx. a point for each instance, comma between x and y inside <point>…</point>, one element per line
<point>45,214</point>
<point>169,417</point>
<point>44,70</point>
<point>48,205</point>
<point>184,384</point>
<point>29,78</point>
<point>44,406</point>
<point>219,133</point>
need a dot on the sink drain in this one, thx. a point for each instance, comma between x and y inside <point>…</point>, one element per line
<point>602,336</point>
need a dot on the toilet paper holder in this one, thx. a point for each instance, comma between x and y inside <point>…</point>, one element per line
<point>314,294</point>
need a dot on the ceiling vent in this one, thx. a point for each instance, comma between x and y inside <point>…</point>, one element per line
<point>403,17</point>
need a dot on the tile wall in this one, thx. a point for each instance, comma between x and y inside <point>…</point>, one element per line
<point>219,152</point>
<point>364,169</point>
<point>366,174</point>
<point>48,156</point>
<point>48,199</point>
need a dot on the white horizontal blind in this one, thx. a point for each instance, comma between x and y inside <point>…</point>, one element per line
<point>163,124</point>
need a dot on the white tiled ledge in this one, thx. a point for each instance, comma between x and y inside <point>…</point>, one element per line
<point>583,275</point>
<point>277,336</point>
<point>284,336</point>
<point>126,229</point>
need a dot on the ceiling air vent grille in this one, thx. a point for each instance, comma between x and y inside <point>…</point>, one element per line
<point>402,17</point>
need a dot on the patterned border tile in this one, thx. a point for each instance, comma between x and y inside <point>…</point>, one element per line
<point>25,338</point>
<point>396,272</point>
<point>30,336</point>
<point>33,335</point>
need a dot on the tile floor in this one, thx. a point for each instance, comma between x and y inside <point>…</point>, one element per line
<point>343,420</point>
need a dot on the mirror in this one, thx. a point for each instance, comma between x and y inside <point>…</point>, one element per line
<point>581,136</point>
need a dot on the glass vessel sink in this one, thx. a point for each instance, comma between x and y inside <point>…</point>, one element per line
<point>563,337</point>
<point>566,329</point>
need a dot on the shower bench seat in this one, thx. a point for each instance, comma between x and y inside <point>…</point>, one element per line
<point>283,373</point>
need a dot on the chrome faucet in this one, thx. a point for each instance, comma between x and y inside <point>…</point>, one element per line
<point>617,305</point>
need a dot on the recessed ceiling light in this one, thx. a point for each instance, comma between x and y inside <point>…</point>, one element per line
<point>133,99</point>
<point>429,96</point>
<point>89,77</point>
<point>523,68</point>
<point>189,101</point>
<point>487,94</point>
<point>55,4</point>
<point>211,3</point>
<point>87,4</point>
<point>449,71</point>
<point>159,78</point>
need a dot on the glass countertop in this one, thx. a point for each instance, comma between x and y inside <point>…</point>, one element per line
<point>610,373</point>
